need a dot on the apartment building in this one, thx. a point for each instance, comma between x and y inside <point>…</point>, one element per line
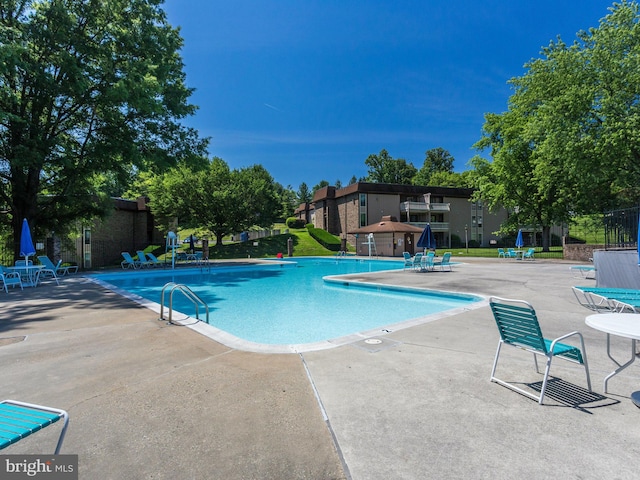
<point>454,218</point>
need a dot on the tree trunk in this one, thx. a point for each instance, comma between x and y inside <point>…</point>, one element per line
<point>546,238</point>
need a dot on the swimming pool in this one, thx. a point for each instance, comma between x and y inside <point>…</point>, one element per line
<point>292,302</point>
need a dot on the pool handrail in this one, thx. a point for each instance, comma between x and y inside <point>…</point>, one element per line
<point>195,299</point>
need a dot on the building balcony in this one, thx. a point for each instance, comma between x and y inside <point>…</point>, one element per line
<point>421,207</point>
<point>435,226</point>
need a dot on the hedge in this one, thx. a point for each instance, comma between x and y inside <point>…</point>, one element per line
<point>324,238</point>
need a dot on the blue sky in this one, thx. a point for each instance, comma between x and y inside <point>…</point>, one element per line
<point>309,89</point>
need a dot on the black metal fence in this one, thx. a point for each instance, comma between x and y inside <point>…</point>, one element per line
<point>621,228</point>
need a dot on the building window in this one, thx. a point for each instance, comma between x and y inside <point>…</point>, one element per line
<point>363,209</point>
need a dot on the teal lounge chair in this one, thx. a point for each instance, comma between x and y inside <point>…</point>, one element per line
<point>57,268</point>
<point>501,253</point>
<point>608,300</point>
<point>48,269</point>
<point>586,271</point>
<point>518,326</point>
<point>143,260</point>
<point>19,420</point>
<point>128,261</point>
<point>153,259</point>
<point>529,254</point>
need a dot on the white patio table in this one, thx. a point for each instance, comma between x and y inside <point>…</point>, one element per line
<point>625,325</point>
<point>30,274</point>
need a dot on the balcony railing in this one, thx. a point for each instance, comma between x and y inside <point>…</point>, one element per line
<point>419,207</point>
<point>435,226</point>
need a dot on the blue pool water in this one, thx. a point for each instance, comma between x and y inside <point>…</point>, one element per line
<point>290,303</point>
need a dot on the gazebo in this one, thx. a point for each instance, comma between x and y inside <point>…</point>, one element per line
<point>390,236</point>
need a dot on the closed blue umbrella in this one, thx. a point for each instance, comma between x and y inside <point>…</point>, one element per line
<point>26,244</point>
<point>519,242</point>
<point>427,240</point>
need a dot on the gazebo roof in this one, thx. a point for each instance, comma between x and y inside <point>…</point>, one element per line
<point>388,224</point>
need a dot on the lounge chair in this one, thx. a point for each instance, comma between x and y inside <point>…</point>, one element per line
<point>9,278</point>
<point>511,253</point>
<point>529,254</point>
<point>444,263</point>
<point>48,269</point>
<point>153,259</point>
<point>518,326</point>
<point>19,420</point>
<point>501,253</point>
<point>408,261</point>
<point>57,268</point>
<point>143,260</point>
<point>128,261</point>
<point>586,271</point>
<point>603,300</point>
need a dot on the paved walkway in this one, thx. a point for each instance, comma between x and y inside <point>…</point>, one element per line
<point>148,400</point>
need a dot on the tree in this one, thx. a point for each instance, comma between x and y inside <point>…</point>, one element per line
<point>288,199</point>
<point>90,93</point>
<point>385,169</point>
<point>353,180</point>
<point>318,186</point>
<point>450,179</point>
<point>219,200</point>
<point>304,195</point>
<point>571,128</point>
<point>437,160</point>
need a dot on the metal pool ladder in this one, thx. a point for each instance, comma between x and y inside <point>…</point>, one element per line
<point>195,299</point>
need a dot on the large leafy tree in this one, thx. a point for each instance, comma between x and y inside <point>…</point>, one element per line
<point>288,199</point>
<point>383,168</point>
<point>572,128</point>
<point>218,200</point>
<point>437,160</point>
<point>91,92</point>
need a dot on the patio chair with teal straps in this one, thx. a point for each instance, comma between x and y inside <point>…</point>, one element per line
<point>18,420</point>
<point>9,278</point>
<point>518,326</point>
<point>408,261</point>
<point>445,262</point>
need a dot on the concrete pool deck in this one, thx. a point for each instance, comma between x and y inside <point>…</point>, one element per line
<point>151,400</point>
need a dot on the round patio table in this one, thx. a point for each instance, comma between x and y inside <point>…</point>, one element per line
<point>30,274</point>
<point>626,325</point>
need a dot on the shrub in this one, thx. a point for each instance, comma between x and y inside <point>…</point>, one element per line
<point>324,238</point>
<point>293,222</point>
<point>456,242</point>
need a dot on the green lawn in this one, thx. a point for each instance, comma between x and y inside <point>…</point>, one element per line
<point>305,245</point>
